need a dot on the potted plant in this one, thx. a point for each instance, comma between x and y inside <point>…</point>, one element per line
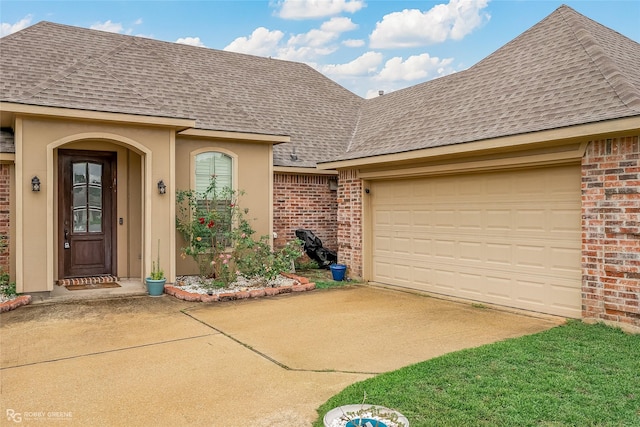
<point>156,280</point>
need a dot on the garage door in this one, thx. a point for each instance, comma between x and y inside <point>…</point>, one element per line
<point>509,237</point>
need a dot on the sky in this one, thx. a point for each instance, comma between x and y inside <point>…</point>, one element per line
<point>364,45</point>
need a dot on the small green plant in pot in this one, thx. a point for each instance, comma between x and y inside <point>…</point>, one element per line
<point>156,280</point>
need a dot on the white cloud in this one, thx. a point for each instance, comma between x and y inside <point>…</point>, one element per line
<point>138,21</point>
<point>112,27</point>
<point>328,32</point>
<point>314,37</point>
<point>353,43</point>
<point>412,27</point>
<point>363,65</point>
<point>304,47</point>
<point>192,41</point>
<point>416,67</point>
<point>338,25</point>
<point>6,28</point>
<point>302,54</point>
<point>261,42</point>
<point>310,9</point>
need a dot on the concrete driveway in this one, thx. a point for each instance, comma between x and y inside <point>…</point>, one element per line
<point>160,361</point>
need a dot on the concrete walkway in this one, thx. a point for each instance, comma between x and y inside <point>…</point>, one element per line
<point>159,361</point>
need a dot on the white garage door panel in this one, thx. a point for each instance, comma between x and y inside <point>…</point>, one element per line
<point>510,238</point>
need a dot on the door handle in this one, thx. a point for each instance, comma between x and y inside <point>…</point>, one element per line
<point>66,234</point>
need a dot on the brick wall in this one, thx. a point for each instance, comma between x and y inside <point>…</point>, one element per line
<point>5,205</point>
<point>350,222</point>
<point>611,231</point>
<point>304,201</point>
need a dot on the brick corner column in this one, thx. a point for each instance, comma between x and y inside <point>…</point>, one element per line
<point>611,231</point>
<point>350,221</point>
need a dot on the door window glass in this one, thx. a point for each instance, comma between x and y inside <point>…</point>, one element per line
<point>87,197</point>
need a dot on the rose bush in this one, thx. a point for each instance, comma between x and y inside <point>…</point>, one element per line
<point>221,240</point>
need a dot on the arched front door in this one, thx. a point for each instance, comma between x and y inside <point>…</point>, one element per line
<point>86,220</point>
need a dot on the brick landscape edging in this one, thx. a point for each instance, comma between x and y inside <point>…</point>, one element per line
<point>15,303</point>
<point>302,285</point>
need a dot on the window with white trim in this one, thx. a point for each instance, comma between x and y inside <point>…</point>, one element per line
<point>217,165</point>
<point>213,164</point>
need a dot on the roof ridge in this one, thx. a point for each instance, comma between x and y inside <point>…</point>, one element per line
<point>610,70</point>
<point>76,66</point>
<point>143,42</point>
<point>354,132</point>
<point>91,60</point>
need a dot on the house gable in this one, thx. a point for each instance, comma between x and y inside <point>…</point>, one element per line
<point>565,71</point>
<point>61,66</point>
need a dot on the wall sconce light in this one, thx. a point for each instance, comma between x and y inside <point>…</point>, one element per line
<point>162,188</point>
<point>366,190</point>
<point>35,184</point>
<point>333,184</point>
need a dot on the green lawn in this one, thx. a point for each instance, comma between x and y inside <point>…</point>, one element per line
<point>571,375</point>
<point>323,278</point>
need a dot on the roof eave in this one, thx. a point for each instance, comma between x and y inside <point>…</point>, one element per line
<point>303,171</point>
<point>72,113</point>
<point>237,136</point>
<point>505,143</point>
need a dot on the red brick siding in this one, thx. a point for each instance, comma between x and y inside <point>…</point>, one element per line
<point>304,201</point>
<point>5,208</point>
<point>350,222</point>
<point>611,231</point>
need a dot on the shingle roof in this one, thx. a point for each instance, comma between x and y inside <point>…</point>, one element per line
<point>7,141</point>
<point>566,70</point>
<point>56,65</point>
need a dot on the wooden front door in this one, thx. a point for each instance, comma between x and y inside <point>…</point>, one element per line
<point>87,202</point>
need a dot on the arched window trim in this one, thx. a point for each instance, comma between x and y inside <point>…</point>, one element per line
<point>234,165</point>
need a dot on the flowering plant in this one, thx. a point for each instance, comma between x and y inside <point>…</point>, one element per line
<point>205,220</point>
<point>221,240</point>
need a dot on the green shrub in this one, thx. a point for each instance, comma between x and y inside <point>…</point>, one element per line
<point>7,287</point>
<point>256,259</point>
<point>222,241</point>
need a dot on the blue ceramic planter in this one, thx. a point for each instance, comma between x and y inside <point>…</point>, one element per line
<point>155,288</point>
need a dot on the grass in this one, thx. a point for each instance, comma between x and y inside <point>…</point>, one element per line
<point>322,278</point>
<point>571,375</point>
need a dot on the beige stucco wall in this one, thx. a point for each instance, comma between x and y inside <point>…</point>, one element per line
<point>145,155</point>
<point>253,176</point>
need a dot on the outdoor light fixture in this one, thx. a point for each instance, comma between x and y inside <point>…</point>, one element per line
<point>162,188</point>
<point>35,184</point>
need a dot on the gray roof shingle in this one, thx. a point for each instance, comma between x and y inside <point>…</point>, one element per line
<point>566,70</point>
<point>56,65</point>
<point>7,141</point>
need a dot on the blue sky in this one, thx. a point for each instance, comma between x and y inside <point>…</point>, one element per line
<point>364,45</point>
